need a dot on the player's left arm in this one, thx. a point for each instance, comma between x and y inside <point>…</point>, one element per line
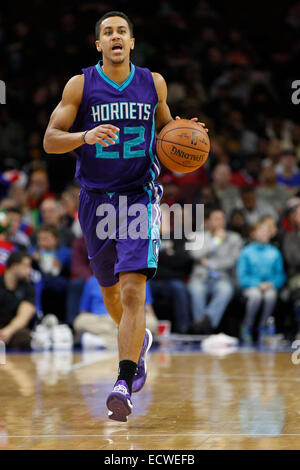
<point>163,114</point>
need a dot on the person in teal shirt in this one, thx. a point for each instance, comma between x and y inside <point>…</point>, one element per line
<point>260,274</point>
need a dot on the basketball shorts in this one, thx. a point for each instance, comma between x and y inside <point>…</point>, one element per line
<point>121,231</point>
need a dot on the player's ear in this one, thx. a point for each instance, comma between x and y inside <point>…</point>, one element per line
<point>132,41</point>
<point>98,47</point>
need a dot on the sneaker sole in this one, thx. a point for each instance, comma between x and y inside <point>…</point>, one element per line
<point>147,349</point>
<point>118,409</point>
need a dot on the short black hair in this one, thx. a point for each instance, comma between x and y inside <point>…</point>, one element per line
<point>49,228</point>
<point>210,208</point>
<point>247,190</point>
<point>110,14</point>
<point>16,257</point>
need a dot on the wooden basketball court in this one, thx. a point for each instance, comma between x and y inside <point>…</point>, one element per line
<point>192,400</point>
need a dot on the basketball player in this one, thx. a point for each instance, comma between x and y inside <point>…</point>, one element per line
<point>113,110</point>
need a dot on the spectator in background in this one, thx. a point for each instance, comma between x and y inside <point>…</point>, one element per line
<point>69,202</point>
<point>17,301</point>
<point>6,246</point>
<point>291,252</point>
<point>275,235</point>
<point>80,273</point>
<point>271,192</point>
<point>252,208</point>
<point>288,172</point>
<point>174,266</point>
<point>226,193</point>
<point>237,223</point>
<point>291,139</point>
<point>93,317</point>
<point>38,188</point>
<point>54,262</point>
<point>213,273</point>
<point>287,219</point>
<point>14,233</point>
<point>51,212</point>
<point>260,275</point>
<point>249,175</point>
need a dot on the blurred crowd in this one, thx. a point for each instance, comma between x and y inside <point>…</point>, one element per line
<point>238,80</point>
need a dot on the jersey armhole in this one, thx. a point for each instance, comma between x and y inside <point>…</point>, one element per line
<point>83,97</point>
<point>153,86</point>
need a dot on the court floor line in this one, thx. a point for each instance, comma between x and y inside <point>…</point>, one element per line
<point>110,436</point>
<point>237,377</point>
<point>78,365</point>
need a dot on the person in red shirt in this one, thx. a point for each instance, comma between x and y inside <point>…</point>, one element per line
<point>249,175</point>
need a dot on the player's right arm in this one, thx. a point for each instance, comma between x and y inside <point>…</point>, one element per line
<point>57,137</point>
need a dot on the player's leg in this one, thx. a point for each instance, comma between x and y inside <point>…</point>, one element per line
<point>112,301</point>
<point>133,322</point>
<point>130,339</point>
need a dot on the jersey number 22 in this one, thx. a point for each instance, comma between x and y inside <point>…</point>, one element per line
<point>103,152</point>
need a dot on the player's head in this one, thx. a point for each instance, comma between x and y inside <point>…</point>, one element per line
<point>114,36</point>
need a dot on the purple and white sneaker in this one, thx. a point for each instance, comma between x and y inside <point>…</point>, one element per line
<point>141,373</point>
<point>119,402</point>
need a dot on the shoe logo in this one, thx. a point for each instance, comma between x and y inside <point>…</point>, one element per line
<point>121,389</point>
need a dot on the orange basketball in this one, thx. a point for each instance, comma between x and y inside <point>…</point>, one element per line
<point>182,146</point>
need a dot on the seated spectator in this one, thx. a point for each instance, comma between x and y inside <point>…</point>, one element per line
<point>237,223</point>
<point>275,235</point>
<point>187,183</point>
<point>51,213</point>
<point>38,188</point>
<point>94,318</point>
<point>15,234</point>
<point>17,301</point>
<point>6,246</point>
<point>54,262</point>
<point>70,201</point>
<point>291,253</point>
<point>213,272</point>
<point>249,175</point>
<point>169,283</point>
<point>80,272</point>
<point>271,192</point>
<point>288,172</point>
<point>260,274</point>
<point>253,208</point>
<point>226,193</point>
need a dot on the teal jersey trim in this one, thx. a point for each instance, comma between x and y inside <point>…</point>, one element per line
<point>114,84</point>
<point>151,260</point>
<point>110,194</point>
<point>151,141</point>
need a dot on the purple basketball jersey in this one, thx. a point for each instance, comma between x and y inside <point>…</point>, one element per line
<point>130,162</point>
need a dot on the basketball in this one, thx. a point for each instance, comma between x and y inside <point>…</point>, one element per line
<point>182,145</point>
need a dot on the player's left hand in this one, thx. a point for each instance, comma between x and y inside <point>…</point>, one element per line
<point>195,119</point>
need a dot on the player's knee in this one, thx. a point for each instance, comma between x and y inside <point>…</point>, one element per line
<point>131,297</point>
<point>112,299</point>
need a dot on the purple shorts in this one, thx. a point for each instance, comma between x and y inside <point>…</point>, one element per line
<point>121,231</point>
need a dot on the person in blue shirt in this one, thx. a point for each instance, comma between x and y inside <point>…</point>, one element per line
<point>260,274</point>
<point>94,318</point>
<point>288,172</point>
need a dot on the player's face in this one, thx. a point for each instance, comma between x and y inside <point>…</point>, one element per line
<point>114,41</point>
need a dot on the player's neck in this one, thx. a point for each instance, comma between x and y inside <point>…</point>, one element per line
<point>117,72</point>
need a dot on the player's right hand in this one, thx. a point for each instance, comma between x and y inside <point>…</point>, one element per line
<point>101,133</point>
